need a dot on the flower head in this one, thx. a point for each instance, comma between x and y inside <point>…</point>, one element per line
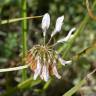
<point>41,58</point>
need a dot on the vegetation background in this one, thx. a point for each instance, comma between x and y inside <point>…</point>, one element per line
<point>81,49</point>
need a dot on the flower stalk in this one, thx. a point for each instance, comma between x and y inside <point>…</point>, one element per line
<point>24,35</point>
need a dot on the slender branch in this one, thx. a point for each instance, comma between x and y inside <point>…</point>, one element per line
<point>14,68</point>
<point>18,19</point>
<point>49,41</point>
<point>44,35</point>
<point>91,73</point>
<point>90,11</point>
<point>44,40</point>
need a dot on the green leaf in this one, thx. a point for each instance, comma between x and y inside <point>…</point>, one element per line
<point>23,85</point>
<point>75,88</point>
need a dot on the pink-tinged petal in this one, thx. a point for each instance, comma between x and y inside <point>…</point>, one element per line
<point>45,23</point>
<point>67,37</point>
<point>37,70</point>
<point>41,76</point>
<point>55,72</point>
<point>45,73</point>
<point>58,25</point>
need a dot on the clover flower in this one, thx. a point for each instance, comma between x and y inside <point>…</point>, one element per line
<point>43,59</point>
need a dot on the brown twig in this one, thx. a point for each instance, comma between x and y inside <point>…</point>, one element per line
<point>90,11</point>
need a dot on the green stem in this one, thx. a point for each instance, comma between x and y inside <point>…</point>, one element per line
<point>44,41</point>
<point>24,35</point>
<point>49,41</point>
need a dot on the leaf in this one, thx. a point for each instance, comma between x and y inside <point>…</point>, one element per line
<point>78,86</point>
<point>75,88</point>
<point>23,85</point>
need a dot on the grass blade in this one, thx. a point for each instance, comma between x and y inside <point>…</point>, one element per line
<point>75,88</point>
<point>18,19</point>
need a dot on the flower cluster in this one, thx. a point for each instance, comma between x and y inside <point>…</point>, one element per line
<point>43,59</point>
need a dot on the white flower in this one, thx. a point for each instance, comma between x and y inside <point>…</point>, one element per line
<point>67,37</point>
<point>45,23</point>
<point>58,25</point>
<point>42,58</point>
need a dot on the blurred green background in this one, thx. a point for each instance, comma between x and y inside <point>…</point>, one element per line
<point>11,44</point>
